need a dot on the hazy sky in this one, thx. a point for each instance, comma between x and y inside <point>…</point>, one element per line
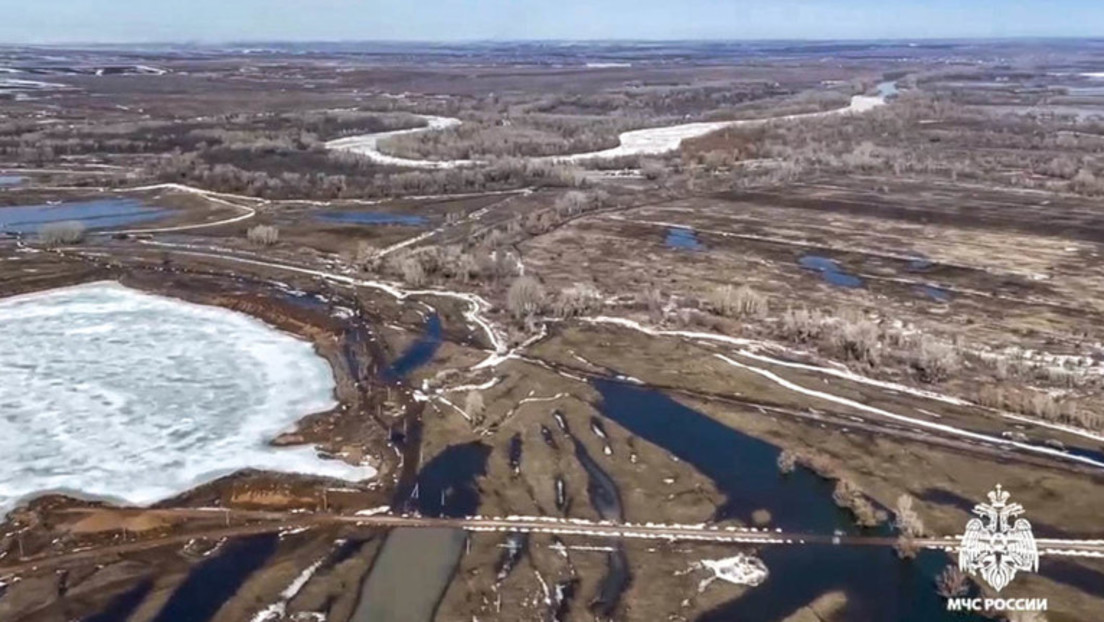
<point>53,21</point>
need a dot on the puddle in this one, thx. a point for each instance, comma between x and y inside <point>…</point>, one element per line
<point>98,214</point>
<point>373,218</point>
<point>420,352</point>
<point>684,239</point>
<point>217,579</point>
<point>879,586</point>
<point>10,180</point>
<point>830,271</point>
<point>934,292</point>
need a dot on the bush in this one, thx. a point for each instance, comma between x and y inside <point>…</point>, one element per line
<point>801,325</point>
<point>58,233</point>
<point>413,271</point>
<point>473,405</point>
<point>263,235</point>
<point>854,339</point>
<point>952,583</point>
<point>934,361</point>
<point>525,298</point>
<point>787,461</point>
<point>734,302</point>
<point>579,299</point>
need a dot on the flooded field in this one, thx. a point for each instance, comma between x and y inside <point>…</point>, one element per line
<point>830,271</point>
<point>879,586</point>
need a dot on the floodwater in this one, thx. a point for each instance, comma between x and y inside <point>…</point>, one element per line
<point>683,238</point>
<point>830,271</point>
<point>97,214</point>
<point>373,218</point>
<point>605,497</point>
<point>879,586</point>
<point>217,579</point>
<point>123,606</point>
<point>887,89</point>
<point>410,575</point>
<point>420,352</point>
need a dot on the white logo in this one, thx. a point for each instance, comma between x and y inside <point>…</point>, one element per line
<point>998,550</point>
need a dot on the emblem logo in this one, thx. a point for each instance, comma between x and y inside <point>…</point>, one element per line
<point>994,547</point>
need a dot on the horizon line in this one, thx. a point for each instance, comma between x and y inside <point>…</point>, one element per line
<point>475,41</point>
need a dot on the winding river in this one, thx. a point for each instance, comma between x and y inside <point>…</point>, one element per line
<point>648,141</point>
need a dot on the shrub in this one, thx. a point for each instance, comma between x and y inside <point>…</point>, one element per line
<point>733,302</point>
<point>848,495</point>
<point>761,517</point>
<point>58,233</point>
<point>525,298</point>
<point>787,461</point>
<point>473,405</point>
<point>909,525</point>
<point>413,271</point>
<point>801,325</point>
<point>855,339</point>
<point>579,299</point>
<point>933,361</point>
<point>263,235</point>
<point>952,583</point>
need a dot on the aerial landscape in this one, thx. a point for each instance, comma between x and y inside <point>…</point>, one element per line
<point>641,330</point>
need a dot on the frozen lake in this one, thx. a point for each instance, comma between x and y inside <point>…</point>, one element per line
<point>111,392</point>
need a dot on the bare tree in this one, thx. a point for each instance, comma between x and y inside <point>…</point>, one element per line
<point>413,271</point>
<point>579,299</point>
<point>473,405</point>
<point>952,582</point>
<point>525,298</point>
<point>263,235</point>
<point>730,301</point>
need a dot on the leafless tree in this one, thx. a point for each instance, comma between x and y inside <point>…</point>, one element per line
<point>263,235</point>
<point>525,297</point>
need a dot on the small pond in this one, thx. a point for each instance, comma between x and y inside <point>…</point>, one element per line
<point>683,238</point>
<point>830,271</point>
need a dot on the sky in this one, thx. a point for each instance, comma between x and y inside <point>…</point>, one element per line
<point>217,21</point>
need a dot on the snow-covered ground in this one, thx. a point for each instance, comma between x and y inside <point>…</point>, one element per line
<point>112,392</point>
<point>368,145</point>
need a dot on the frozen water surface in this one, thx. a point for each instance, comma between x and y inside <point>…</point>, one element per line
<point>111,392</point>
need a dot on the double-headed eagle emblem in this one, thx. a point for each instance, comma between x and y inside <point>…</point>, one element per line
<point>999,549</point>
